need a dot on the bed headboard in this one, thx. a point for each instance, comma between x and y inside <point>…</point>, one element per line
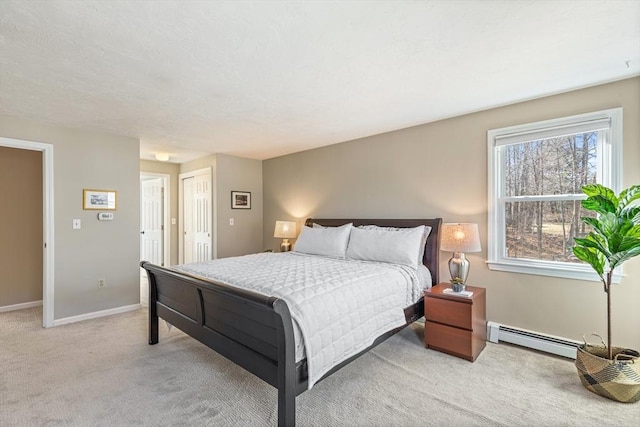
<point>432,252</point>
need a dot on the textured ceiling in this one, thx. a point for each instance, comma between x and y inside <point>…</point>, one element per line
<point>261,79</point>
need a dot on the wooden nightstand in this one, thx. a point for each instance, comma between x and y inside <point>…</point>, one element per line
<point>453,324</point>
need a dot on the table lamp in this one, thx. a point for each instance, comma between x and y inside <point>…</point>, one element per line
<point>459,238</point>
<point>285,230</point>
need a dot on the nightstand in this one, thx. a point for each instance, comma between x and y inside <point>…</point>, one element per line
<point>454,324</point>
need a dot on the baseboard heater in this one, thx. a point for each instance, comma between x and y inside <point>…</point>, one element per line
<point>547,343</point>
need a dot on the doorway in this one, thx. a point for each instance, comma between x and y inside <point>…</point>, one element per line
<point>47,222</point>
<point>154,212</point>
<point>196,217</point>
<point>155,228</point>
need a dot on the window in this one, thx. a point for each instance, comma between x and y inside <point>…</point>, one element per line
<point>536,174</point>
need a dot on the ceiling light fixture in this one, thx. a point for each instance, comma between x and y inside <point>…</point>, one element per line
<point>162,157</point>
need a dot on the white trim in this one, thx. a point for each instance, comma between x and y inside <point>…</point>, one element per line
<point>20,306</point>
<point>166,180</point>
<point>48,256</point>
<point>565,270</point>
<point>609,174</point>
<point>96,314</point>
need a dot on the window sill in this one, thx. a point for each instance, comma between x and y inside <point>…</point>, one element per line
<point>563,270</point>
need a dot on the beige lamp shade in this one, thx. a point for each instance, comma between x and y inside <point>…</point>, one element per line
<point>285,230</point>
<point>460,237</point>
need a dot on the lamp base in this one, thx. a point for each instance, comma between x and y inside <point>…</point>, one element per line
<point>285,246</point>
<point>459,267</point>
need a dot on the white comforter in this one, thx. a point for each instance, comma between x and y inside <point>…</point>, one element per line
<point>340,306</point>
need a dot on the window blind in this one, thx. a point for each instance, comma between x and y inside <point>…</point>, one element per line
<point>551,132</point>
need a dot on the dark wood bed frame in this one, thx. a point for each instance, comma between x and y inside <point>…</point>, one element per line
<point>256,331</point>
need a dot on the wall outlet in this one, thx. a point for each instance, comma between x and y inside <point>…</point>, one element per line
<point>102,283</point>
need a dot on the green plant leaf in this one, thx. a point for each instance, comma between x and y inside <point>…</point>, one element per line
<point>620,257</point>
<point>609,223</point>
<point>594,223</point>
<point>600,198</point>
<point>593,241</point>
<point>631,214</point>
<point>599,190</point>
<point>633,231</point>
<point>613,243</point>
<point>627,196</point>
<point>592,257</point>
<point>599,204</point>
<point>624,226</point>
<point>628,243</point>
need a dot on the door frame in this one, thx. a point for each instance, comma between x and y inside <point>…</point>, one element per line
<point>166,233</point>
<point>181,178</point>
<point>48,258</point>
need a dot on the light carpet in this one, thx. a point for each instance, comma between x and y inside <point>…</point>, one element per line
<point>102,372</point>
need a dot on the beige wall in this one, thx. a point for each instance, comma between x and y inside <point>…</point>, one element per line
<point>171,169</point>
<point>440,170</point>
<point>200,163</point>
<point>21,237</point>
<point>101,249</point>
<point>245,236</point>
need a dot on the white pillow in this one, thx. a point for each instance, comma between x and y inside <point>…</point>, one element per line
<point>395,246</point>
<point>330,241</point>
<point>423,243</point>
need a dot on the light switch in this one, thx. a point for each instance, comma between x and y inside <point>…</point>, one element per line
<point>76,224</point>
<point>173,221</point>
<point>231,221</point>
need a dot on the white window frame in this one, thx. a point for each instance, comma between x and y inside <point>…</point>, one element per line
<point>609,174</point>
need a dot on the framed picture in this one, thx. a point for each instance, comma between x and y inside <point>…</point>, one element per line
<point>104,200</point>
<point>240,200</point>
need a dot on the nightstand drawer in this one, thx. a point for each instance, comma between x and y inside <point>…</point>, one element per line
<point>452,313</point>
<point>448,339</point>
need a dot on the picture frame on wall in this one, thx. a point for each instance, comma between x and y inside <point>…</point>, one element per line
<point>104,200</point>
<point>240,200</point>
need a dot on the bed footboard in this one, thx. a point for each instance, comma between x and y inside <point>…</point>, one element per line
<point>251,330</point>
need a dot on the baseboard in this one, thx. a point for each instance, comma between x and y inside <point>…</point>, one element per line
<point>530,339</point>
<point>20,306</point>
<point>96,314</point>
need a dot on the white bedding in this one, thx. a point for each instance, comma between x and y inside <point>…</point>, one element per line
<point>339,306</point>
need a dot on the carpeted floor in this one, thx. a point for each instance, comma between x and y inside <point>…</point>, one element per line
<point>102,372</point>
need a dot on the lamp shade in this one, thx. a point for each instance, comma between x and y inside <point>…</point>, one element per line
<point>460,237</point>
<point>285,230</point>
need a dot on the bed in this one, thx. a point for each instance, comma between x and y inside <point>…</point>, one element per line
<point>254,330</point>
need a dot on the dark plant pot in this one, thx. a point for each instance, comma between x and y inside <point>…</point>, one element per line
<point>617,379</point>
<point>458,287</point>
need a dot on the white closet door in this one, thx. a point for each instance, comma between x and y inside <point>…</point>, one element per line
<point>202,208</point>
<point>197,218</point>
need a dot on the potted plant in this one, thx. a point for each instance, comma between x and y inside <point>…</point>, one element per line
<point>612,372</point>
